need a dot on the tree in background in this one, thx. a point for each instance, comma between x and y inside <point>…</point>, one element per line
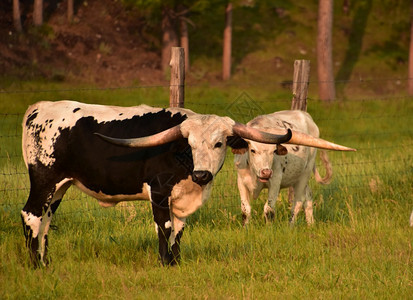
<point>169,35</point>
<point>185,41</point>
<point>17,16</point>
<point>38,12</point>
<point>172,15</point>
<point>326,88</point>
<point>226,56</point>
<point>70,11</point>
<point>346,7</point>
<point>179,12</point>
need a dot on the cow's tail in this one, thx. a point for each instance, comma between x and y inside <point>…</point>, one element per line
<point>327,165</point>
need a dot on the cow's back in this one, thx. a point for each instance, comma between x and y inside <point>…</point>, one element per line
<point>292,119</point>
<point>44,122</point>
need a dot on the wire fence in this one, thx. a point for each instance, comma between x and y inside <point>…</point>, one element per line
<point>379,127</point>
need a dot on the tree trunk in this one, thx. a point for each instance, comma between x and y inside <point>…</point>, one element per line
<point>38,13</point>
<point>169,38</point>
<point>226,57</point>
<point>326,87</point>
<point>346,7</point>
<point>70,11</point>
<point>410,81</point>
<point>16,16</point>
<point>185,42</point>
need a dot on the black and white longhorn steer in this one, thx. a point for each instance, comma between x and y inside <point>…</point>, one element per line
<point>171,160</point>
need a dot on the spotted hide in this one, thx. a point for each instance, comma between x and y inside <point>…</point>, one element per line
<point>167,156</point>
<point>262,166</point>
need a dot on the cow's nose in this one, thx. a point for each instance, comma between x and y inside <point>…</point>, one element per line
<point>266,173</point>
<point>201,177</point>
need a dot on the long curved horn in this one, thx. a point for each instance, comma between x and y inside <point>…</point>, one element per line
<point>300,138</point>
<point>163,137</point>
<point>253,134</point>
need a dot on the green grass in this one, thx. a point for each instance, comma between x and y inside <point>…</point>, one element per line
<point>360,246</point>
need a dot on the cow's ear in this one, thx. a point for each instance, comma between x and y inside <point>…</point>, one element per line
<point>238,145</point>
<point>281,150</point>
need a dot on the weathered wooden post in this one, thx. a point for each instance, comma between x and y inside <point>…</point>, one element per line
<point>301,80</point>
<point>177,85</point>
<point>300,84</point>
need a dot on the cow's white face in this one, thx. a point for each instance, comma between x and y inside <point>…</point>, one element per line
<point>207,137</point>
<point>261,158</point>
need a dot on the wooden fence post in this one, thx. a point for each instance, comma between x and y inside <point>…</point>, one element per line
<point>301,80</point>
<point>300,84</point>
<point>177,85</point>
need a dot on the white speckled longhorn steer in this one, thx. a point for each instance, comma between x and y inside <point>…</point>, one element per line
<point>171,161</point>
<point>274,167</point>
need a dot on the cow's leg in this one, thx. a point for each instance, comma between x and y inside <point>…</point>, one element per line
<point>31,215</point>
<point>308,205</point>
<point>245,201</point>
<point>164,228</point>
<point>175,238</point>
<point>297,206</point>
<point>176,248</point>
<point>44,198</point>
<point>273,191</point>
<point>60,190</point>
<point>299,197</point>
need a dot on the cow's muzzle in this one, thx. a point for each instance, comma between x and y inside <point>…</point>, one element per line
<point>265,175</point>
<point>201,177</point>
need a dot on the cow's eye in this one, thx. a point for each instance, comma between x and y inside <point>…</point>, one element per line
<point>252,151</point>
<point>218,145</point>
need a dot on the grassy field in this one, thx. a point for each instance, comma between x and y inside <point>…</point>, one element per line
<point>360,246</point>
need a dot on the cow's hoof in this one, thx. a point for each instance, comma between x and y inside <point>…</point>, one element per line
<point>170,260</point>
<point>245,220</point>
<point>269,216</point>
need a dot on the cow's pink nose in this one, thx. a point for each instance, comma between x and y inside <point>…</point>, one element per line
<point>266,173</point>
